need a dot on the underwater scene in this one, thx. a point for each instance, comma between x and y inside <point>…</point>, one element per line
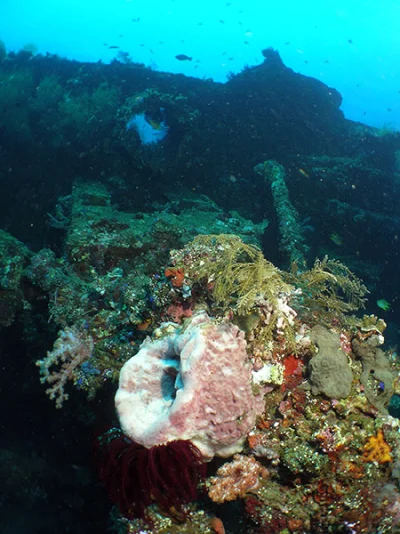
<point>199,267</point>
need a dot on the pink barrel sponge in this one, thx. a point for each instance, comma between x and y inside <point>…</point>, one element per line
<point>192,384</point>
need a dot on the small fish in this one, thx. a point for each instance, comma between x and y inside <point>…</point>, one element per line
<point>156,125</point>
<point>304,173</point>
<point>113,46</point>
<point>137,19</point>
<point>183,57</point>
<point>383,304</point>
<point>147,321</point>
<point>217,525</point>
<point>144,325</point>
<point>349,41</point>
<point>336,238</point>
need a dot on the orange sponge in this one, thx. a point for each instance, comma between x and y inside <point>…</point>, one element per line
<point>377,450</point>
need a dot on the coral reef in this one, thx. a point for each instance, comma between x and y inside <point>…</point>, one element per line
<point>112,282</point>
<point>102,237</point>
<point>240,357</point>
<point>319,442</point>
<point>197,521</point>
<point>236,273</point>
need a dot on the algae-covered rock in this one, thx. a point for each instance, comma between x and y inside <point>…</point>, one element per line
<point>376,377</point>
<point>14,257</point>
<point>102,237</point>
<point>300,457</point>
<point>292,238</point>
<point>330,373</point>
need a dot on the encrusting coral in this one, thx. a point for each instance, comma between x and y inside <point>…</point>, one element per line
<point>236,478</point>
<point>377,450</point>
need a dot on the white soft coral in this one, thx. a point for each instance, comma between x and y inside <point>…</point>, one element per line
<point>70,350</point>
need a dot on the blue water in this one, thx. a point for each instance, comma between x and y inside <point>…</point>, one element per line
<point>352,46</point>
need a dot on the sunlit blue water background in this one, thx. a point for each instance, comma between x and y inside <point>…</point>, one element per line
<point>352,46</point>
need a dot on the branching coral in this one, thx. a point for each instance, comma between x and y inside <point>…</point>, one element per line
<point>71,349</point>
<point>241,279</point>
